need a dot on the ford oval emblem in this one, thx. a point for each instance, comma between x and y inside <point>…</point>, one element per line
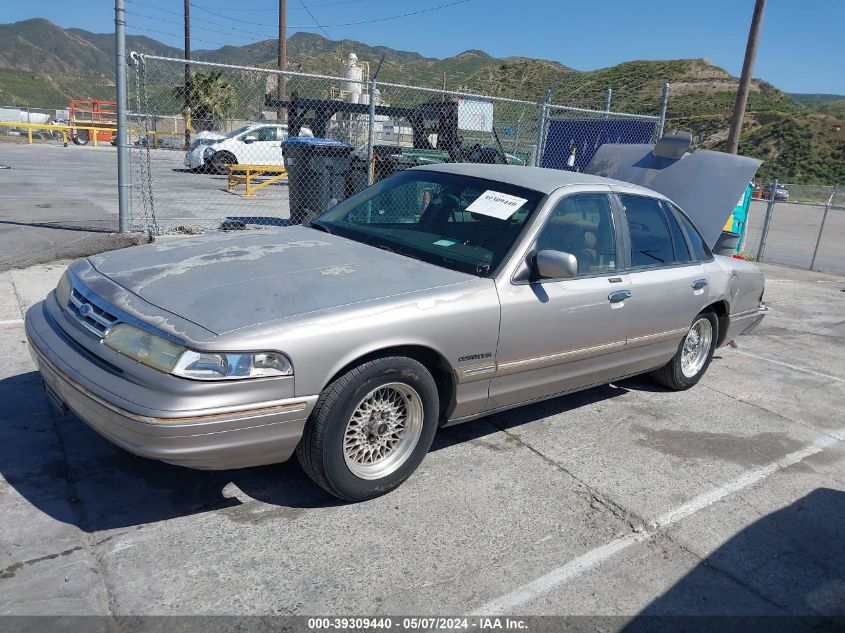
<point>85,309</point>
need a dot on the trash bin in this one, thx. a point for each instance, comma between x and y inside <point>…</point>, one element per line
<point>389,159</point>
<point>358,176</point>
<point>317,170</point>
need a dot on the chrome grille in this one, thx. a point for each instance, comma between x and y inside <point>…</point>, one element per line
<point>92,316</point>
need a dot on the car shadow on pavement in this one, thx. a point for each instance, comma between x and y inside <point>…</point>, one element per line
<point>788,567</point>
<point>69,472</point>
<point>74,475</point>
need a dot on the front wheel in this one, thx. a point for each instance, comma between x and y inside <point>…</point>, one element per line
<point>220,162</point>
<point>693,356</point>
<point>371,428</point>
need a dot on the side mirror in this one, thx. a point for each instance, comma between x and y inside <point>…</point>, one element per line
<point>249,139</point>
<point>550,264</point>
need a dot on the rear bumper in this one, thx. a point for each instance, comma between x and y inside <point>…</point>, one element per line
<point>744,322</point>
<point>238,437</point>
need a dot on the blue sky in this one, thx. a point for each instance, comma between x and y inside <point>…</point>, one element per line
<point>802,46</point>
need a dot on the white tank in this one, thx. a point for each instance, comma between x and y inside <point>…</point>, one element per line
<point>353,73</point>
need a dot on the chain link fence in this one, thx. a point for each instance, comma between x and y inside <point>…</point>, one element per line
<point>803,226</point>
<point>221,147</point>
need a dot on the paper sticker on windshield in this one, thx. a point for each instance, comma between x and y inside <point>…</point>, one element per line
<point>445,243</point>
<point>496,205</point>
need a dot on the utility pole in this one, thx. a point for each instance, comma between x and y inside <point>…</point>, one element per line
<point>282,61</point>
<point>188,82</point>
<point>123,183</point>
<point>745,79</point>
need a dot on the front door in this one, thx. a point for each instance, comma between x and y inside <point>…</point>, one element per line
<point>560,335</point>
<point>267,148</point>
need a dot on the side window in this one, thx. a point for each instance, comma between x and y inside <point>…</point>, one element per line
<point>700,250</point>
<point>265,134</point>
<point>582,224</point>
<point>679,243</point>
<point>651,243</point>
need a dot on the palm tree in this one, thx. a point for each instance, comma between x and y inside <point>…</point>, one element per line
<point>210,98</point>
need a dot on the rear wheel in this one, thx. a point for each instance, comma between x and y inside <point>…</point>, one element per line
<point>371,428</point>
<point>81,138</point>
<point>693,356</point>
<point>220,162</point>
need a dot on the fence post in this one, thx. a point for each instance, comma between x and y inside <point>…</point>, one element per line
<point>664,105</point>
<point>821,227</point>
<point>541,133</point>
<point>765,232</point>
<point>608,95</point>
<point>123,183</point>
<point>372,124</point>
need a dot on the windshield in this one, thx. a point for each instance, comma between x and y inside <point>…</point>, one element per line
<point>240,130</point>
<point>458,222</point>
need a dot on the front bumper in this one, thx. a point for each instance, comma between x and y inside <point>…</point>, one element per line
<point>211,439</point>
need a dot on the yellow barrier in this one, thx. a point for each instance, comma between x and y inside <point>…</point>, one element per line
<point>253,171</point>
<point>64,129</point>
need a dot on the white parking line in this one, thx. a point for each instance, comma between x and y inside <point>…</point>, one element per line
<point>11,321</point>
<point>789,366</point>
<point>584,563</point>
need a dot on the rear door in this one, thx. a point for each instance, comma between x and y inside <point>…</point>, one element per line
<point>669,286</point>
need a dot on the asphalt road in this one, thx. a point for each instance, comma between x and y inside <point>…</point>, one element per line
<point>624,500</point>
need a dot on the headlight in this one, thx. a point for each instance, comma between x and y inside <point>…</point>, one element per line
<point>147,348</point>
<point>208,152</point>
<point>63,290</point>
<point>159,353</point>
<point>223,366</point>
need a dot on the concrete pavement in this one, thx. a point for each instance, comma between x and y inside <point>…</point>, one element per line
<point>622,500</point>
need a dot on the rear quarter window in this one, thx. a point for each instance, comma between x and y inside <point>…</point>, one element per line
<point>700,250</point>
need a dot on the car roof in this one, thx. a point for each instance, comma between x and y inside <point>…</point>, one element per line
<point>536,178</point>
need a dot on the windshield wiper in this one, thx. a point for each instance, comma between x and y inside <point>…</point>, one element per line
<point>321,227</point>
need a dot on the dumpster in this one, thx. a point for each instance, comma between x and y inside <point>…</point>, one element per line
<point>317,174</point>
<point>358,176</point>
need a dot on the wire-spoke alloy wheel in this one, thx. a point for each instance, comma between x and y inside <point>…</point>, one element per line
<point>371,428</point>
<point>693,355</point>
<point>696,347</point>
<point>383,431</point>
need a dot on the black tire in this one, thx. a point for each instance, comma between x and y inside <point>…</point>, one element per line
<point>81,138</point>
<point>671,375</point>
<point>220,160</point>
<point>321,450</point>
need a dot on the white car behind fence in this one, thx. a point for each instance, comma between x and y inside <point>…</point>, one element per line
<point>256,144</point>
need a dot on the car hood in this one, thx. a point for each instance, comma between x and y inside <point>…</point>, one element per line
<point>704,183</point>
<point>230,282</point>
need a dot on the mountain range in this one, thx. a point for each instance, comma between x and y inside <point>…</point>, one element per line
<point>800,136</point>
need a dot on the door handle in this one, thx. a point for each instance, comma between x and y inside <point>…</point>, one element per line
<point>618,296</point>
<point>698,284</point>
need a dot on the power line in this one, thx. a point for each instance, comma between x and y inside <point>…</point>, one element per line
<point>315,20</point>
<point>396,17</point>
<point>310,6</point>
<point>199,39</point>
<point>231,28</point>
<point>321,27</point>
<point>195,19</point>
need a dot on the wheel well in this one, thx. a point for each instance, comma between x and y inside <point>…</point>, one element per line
<point>721,310</point>
<point>434,362</point>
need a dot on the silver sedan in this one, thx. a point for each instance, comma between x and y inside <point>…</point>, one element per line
<point>439,295</point>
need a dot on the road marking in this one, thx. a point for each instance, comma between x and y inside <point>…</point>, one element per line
<point>595,557</point>
<point>790,366</point>
<point>11,321</point>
